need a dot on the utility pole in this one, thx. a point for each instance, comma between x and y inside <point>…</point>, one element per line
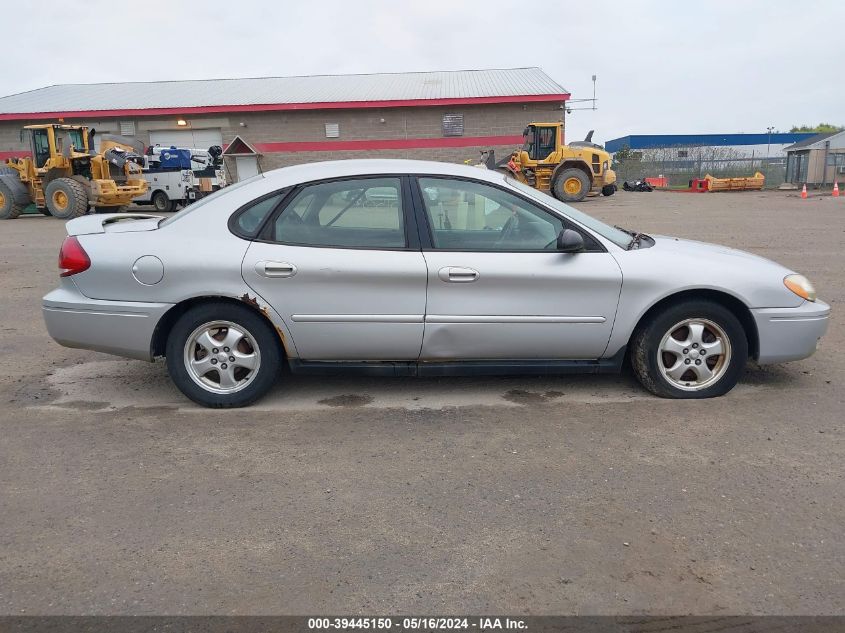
<point>768,147</point>
<point>590,106</point>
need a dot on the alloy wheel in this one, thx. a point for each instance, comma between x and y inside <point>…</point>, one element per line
<point>694,354</point>
<point>222,357</point>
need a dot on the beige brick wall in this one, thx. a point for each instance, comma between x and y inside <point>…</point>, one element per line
<point>355,125</point>
<point>446,154</point>
<point>399,123</point>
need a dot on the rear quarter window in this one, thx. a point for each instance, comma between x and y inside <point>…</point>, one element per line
<point>213,197</point>
<point>249,219</point>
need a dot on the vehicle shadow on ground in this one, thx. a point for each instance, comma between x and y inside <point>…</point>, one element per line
<point>110,384</point>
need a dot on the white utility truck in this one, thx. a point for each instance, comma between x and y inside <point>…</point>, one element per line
<point>177,176</point>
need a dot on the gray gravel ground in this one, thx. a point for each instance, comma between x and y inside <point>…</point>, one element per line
<point>510,495</point>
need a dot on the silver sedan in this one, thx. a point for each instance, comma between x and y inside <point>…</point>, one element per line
<point>401,267</point>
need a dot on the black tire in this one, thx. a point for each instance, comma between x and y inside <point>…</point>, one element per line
<point>66,198</point>
<point>45,211</point>
<point>608,190</point>
<point>9,209</point>
<point>162,203</point>
<point>648,363</point>
<point>259,331</point>
<point>561,187</point>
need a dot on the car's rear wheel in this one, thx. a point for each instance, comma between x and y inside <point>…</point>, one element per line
<point>696,349</point>
<point>223,355</point>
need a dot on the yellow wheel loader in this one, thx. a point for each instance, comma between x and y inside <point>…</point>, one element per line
<point>65,178</point>
<point>568,172</point>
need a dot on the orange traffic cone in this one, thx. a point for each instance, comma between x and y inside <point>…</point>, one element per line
<point>835,189</point>
<point>804,191</point>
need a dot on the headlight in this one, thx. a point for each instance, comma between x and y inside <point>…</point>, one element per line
<point>801,286</point>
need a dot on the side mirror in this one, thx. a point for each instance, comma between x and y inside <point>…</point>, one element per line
<point>570,241</point>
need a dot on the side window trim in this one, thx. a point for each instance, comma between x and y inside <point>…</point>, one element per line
<point>409,218</point>
<point>420,215</point>
<point>413,232</point>
<point>427,239</point>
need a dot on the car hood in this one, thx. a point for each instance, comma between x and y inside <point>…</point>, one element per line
<point>695,248</point>
<point>673,264</point>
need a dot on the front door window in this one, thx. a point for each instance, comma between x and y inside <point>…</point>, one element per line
<point>466,215</point>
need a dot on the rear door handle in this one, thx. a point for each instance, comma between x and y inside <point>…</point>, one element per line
<point>275,269</point>
<point>458,274</point>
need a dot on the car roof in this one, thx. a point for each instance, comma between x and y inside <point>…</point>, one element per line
<point>372,166</point>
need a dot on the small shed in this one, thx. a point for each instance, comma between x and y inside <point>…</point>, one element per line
<point>246,158</point>
<point>817,161</point>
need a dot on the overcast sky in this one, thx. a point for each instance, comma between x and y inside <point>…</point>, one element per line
<point>663,66</point>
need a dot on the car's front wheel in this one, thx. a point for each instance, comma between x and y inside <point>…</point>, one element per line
<point>223,355</point>
<point>695,349</point>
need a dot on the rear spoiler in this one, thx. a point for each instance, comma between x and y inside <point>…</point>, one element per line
<point>88,224</point>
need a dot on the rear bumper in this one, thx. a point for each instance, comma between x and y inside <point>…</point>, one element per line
<point>790,333</point>
<point>123,328</point>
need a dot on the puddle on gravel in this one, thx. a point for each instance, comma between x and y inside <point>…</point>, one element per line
<point>346,400</point>
<point>523,396</point>
<point>108,385</point>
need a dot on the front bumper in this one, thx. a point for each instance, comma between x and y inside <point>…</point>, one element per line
<point>790,333</point>
<point>123,328</point>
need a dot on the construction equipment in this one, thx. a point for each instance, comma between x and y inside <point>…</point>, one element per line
<point>749,183</point>
<point>711,183</point>
<point>65,177</point>
<point>568,172</point>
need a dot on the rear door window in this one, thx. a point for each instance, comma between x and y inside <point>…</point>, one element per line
<point>360,213</point>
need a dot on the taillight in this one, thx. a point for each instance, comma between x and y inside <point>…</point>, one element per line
<point>72,257</point>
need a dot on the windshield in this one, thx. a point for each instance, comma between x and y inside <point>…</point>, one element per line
<point>620,238</point>
<point>209,198</point>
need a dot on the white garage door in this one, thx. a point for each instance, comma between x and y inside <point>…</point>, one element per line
<point>195,139</point>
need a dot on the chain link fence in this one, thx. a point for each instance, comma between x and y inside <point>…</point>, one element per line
<point>681,164</point>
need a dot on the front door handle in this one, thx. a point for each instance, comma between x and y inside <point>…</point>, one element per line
<point>458,274</point>
<point>275,269</point>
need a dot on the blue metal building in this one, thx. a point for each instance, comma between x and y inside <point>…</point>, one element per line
<point>776,141</point>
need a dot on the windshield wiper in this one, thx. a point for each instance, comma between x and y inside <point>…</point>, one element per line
<point>635,239</point>
<point>635,236</point>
